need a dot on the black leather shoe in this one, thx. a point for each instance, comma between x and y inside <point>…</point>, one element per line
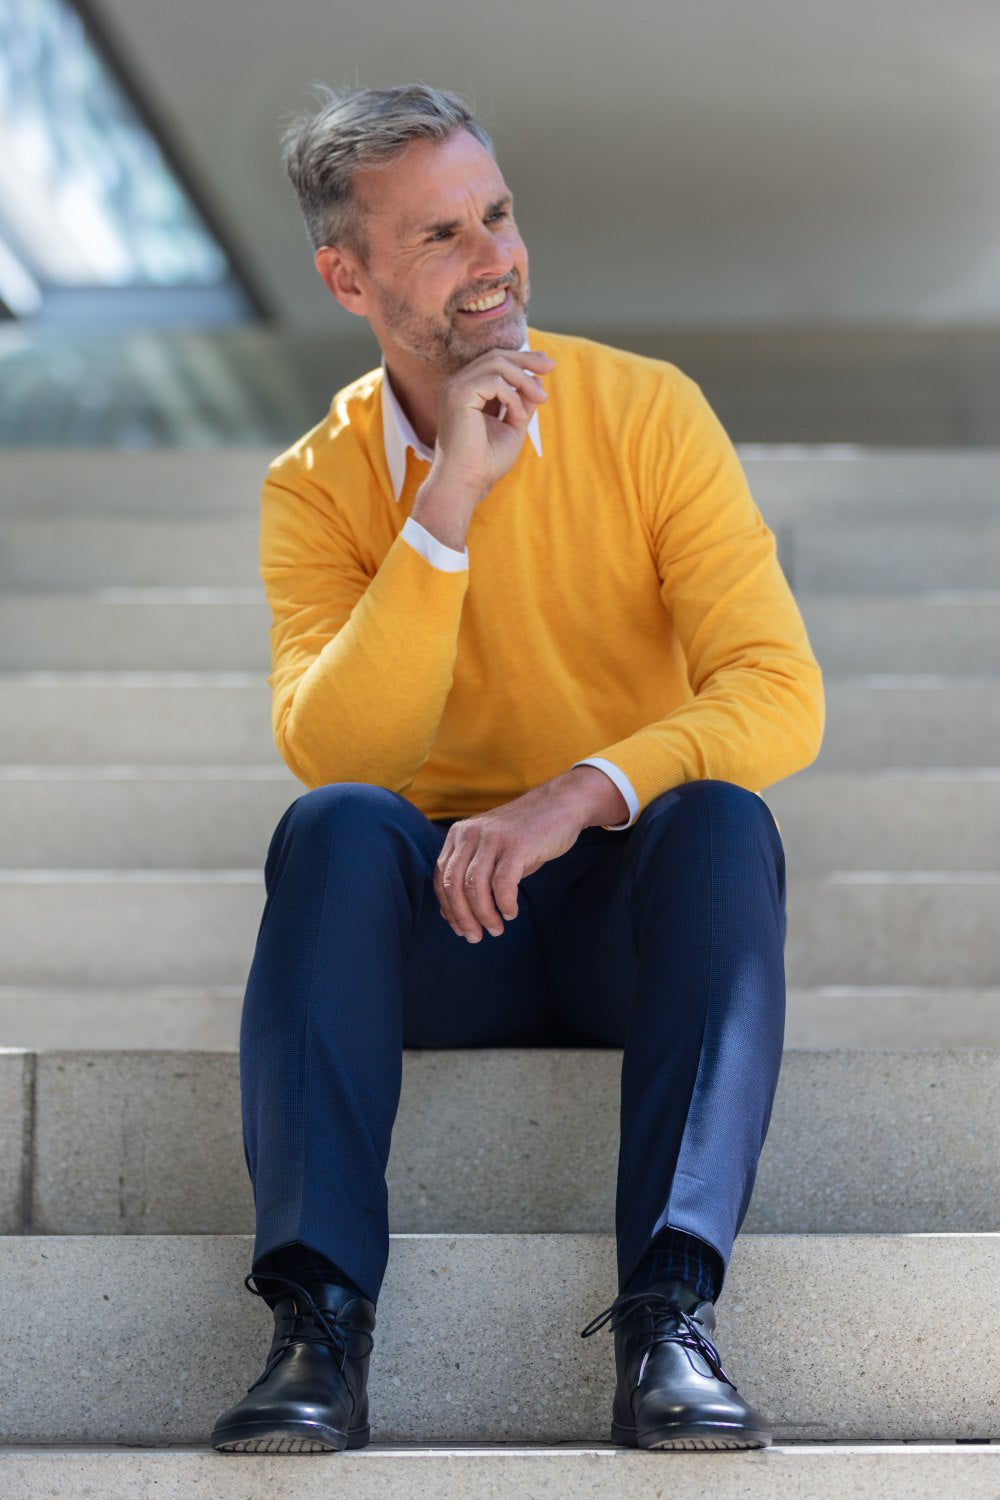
<point>311,1396</point>
<point>672,1391</point>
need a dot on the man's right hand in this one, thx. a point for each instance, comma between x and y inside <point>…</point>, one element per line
<point>475,446</point>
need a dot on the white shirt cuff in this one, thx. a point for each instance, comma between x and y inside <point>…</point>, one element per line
<point>448,559</point>
<point>623,784</point>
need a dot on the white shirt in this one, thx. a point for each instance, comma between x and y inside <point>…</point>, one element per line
<point>397,436</point>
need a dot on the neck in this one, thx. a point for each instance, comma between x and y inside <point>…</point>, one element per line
<point>416,388</point>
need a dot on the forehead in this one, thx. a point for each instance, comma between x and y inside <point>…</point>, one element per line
<point>429,182</point>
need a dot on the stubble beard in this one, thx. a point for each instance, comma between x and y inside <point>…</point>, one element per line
<point>443,344</point>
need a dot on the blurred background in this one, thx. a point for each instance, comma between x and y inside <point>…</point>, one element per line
<point>797,203</point>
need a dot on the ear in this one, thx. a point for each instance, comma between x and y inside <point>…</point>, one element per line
<point>339,270</point>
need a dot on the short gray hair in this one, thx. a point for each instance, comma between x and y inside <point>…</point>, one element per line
<point>355,129</point>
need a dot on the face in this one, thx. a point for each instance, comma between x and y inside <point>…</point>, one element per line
<point>442,236</point>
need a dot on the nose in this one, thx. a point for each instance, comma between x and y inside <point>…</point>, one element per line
<point>491,256</point>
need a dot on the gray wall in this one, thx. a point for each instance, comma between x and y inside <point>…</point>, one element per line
<point>720,163</point>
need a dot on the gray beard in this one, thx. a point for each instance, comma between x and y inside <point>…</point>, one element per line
<point>444,347</point>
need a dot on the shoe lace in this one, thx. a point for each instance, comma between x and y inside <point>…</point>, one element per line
<point>689,1333</point>
<point>311,1324</point>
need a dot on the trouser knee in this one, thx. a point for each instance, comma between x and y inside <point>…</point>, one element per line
<point>345,814</point>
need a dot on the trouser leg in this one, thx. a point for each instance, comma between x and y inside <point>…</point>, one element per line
<point>671,946</point>
<point>352,962</point>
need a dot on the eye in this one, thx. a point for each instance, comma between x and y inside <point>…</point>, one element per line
<point>441,234</point>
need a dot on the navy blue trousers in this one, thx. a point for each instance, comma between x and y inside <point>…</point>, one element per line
<point>665,939</point>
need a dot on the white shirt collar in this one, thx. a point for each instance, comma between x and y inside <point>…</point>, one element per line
<point>398,434</point>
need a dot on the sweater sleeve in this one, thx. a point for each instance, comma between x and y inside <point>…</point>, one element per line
<point>757,713</point>
<point>362,658</point>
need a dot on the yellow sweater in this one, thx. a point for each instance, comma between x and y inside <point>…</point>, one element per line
<point>623,599</point>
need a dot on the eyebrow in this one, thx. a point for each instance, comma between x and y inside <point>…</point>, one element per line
<point>491,208</point>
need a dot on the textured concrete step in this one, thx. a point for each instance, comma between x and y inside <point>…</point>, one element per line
<point>147,1339</point>
<point>203,1019</point>
<point>921,820</point>
<point>884,559</point>
<point>187,927</point>
<point>224,718</point>
<point>201,818</point>
<point>501,1139</point>
<point>789,481</point>
<point>213,629</point>
<point>798,1471</point>
<point>948,633</point>
<point>829,482</point>
<point>166,482</point>
<point>69,553</point>
<point>867,557</point>
<point>126,629</point>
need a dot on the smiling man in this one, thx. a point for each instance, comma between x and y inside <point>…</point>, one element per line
<point>534,657</point>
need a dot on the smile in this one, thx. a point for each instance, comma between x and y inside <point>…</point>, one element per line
<point>493,303</point>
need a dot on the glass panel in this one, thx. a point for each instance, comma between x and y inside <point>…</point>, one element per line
<point>85,193</point>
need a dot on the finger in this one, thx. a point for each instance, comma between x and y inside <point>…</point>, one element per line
<point>531,359</point>
<point>528,384</point>
<point>511,402</point>
<point>495,388</point>
<point>439,889</point>
<point>507,876</point>
<point>478,883</point>
<point>453,883</point>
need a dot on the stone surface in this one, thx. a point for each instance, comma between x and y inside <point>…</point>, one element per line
<point>73,553</point>
<point>509,1139</point>
<point>200,927</point>
<point>216,481</point>
<point>924,820</point>
<point>880,559</point>
<point>889,722</point>
<point>188,817</point>
<point>955,633</point>
<point>510,1472</point>
<point>892,1016</point>
<point>794,482</point>
<point>478,1337</point>
<point>789,481</point>
<point>203,1019</point>
<point>153,718</point>
<point>168,817</point>
<point>135,628</point>
<point>123,628</point>
<point>16,1075</point>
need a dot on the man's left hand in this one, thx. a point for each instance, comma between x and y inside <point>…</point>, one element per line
<point>485,857</point>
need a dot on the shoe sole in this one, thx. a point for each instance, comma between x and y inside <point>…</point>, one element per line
<point>691,1439</point>
<point>290,1437</point>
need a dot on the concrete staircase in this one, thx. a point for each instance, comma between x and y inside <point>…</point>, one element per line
<point>138,789</point>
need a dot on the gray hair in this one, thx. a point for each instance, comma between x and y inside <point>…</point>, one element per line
<point>353,130</point>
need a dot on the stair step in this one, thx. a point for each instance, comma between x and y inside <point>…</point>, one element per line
<point>217,629</point>
<point>794,1471</point>
<point>498,1139</point>
<point>185,1018</point>
<point>191,817</point>
<point>789,482</point>
<point>865,558</point>
<point>835,1338</point>
<point>224,718</point>
<point>188,927</point>
<point>879,559</point>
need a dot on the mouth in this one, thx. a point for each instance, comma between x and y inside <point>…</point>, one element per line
<point>493,305</point>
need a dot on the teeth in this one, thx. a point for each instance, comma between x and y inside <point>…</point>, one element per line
<point>485,303</point>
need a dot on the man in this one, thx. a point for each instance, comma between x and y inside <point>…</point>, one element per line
<point>535,657</point>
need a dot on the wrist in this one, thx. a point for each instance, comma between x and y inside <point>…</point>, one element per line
<point>445,510</point>
<point>593,797</point>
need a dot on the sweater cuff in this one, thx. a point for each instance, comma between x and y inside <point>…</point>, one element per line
<point>623,784</point>
<point>448,559</point>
